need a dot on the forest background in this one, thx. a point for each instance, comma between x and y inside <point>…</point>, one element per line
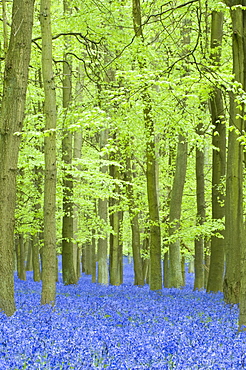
<point>132,142</point>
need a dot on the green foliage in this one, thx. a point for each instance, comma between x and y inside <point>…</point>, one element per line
<point>107,94</point>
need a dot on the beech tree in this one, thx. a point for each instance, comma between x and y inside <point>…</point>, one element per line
<point>201,213</point>
<point>116,217</point>
<point>151,174</point>
<point>68,267</point>
<point>103,275</point>
<point>216,269</point>
<point>49,269</point>
<point>234,176</point>
<point>134,222</point>
<point>11,122</point>
<point>176,279</point>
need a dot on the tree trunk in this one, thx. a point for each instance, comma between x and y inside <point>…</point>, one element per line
<point>68,268</point>
<point>155,231</point>
<point>5,26</point>
<point>49,247</point>
<point>77,152</point>
<point>146,260</point>
<point>201,213</point>
<point>93,258</point>
<point>216,269</point>
<point>207,248</point>
<point>176,280</point>
<point>233,218</point>
<point>234,176</point>
<point>29,266</point>
<point>35,258</point>
<point>68,271</point>
<point>183,269</point>
<point>191,265</point>
<point>120,254</point>
<point>166,209</point>
<point>11,121</point>
<point>76,251</point>
<point>83,258</point>
<point>78,269</point>
<point>115,261</point>
<point>87,254</point>
<point>166,270</point>
<point>103,275</point>
<point>36,238</point>
<point>242,297</point>
<point>151,164</point>
<point>137,260</point>
<point>20,253</point>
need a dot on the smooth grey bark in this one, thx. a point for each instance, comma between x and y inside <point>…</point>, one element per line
<point>233,218</point>
<point>155,231</point>
<point>20,253</point>
<point>175,266</point>
<point>78,268</point>
<point>183,268</point>
<point>103,273</point>
<point>120,254</point>
<point>137,260</point>
<point>87,258</point>
<point>76,248</point>
<point>207,250</point>
<point>201,213</point>
<point>11,122</point>
<point>234,176</point>
<point>176,279</point>
<point>5,26</point>
<point>93,257</point>
<point>166,265</point>
<point>28,244</point>
<point>35,258</point>
<point>166,270</point>
<point>37,179</point>
<point>146,261</point>
<point>83,259</point>
<point>115,245</point>
<point>36,237</point>
<point>151,163</point>
<point>49,270</point>
<point>77,153</point>
<point>242,296</point>
<point>68,268</point>
<point>191,265</point>
<point>217,260</point>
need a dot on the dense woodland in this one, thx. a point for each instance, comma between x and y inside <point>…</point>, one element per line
<point>122,133</point>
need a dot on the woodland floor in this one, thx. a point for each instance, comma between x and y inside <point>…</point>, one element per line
<point>125,327</point>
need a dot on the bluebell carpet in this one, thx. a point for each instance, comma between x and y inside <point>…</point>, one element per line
<point>125,327</point>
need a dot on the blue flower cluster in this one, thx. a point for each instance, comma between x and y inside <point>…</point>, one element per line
<point>126,327</point>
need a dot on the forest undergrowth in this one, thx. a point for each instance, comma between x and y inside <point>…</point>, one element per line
<point>126,327</point>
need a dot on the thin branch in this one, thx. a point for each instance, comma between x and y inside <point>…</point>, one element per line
<point>168,10</point>
<point>75,34</point>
